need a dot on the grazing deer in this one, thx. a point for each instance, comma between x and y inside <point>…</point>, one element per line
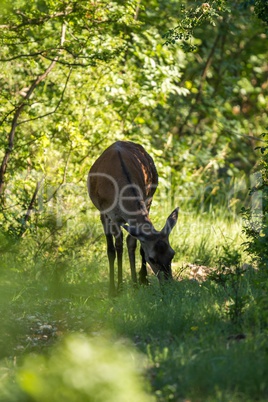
<point>121,184</point>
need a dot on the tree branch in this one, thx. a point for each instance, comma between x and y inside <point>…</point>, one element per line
<point>137,10</point>
<point>57,106</point>
<point>18,111</point>
<point>21,56</point>
<point>202,80</point>
<point>35,21</point>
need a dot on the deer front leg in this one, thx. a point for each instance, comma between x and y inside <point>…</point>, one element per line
<point>131,247</point>
<point>143,271</point>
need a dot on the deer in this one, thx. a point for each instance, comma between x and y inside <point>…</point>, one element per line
<point>121,184</point>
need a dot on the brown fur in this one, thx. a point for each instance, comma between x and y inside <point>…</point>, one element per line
<point>121,184</point>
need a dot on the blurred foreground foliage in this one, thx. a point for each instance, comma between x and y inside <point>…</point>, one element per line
<point>84,369</point>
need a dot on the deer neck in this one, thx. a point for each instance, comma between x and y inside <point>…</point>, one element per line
<point>141,222</point>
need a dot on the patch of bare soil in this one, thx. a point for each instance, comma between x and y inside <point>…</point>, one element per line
<point>193,271</point>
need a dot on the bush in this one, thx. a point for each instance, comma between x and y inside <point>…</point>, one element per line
<point>83,369</point>
<point>256,218</point>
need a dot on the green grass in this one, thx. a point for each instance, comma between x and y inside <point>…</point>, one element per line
<point>200,238</point>
<point>177,342</point>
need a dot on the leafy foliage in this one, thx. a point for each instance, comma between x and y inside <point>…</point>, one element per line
<point>190,19</point>
<point>256,217</point>
<point>261,10</point>
<point>108,76</point>
<point>74,77</point>
<point>229,274</point>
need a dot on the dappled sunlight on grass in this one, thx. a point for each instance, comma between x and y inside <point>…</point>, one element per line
<point>200,239</point>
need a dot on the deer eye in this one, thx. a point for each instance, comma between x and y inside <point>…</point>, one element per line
<point>152,260</point>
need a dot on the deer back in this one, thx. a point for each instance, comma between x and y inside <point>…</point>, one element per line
<point>122,181</point>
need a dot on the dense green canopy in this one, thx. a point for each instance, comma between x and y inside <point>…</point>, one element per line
<point>186,79</point>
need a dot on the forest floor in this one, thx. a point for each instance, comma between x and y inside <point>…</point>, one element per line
<point>200,338</point>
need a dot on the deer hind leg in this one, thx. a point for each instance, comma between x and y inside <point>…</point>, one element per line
<point>131,247</point>
<point>119,254</point>
<point>111,259</point>
<point>110,252</point>
<point>143,271</point>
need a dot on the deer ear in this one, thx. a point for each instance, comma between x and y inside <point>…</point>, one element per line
<point>170,222</point>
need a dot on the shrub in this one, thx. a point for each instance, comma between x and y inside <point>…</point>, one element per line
<point>256,217</point>
<point>83,369</point>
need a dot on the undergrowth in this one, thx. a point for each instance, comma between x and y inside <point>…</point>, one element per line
<point>197,341</point>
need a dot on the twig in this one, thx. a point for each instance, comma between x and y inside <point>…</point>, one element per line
<point>35,21</point>
<point>57,106</point>
<point>30,207</point>
<point>63,178</point>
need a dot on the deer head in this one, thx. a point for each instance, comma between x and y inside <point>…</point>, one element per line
<point>157,250</point>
